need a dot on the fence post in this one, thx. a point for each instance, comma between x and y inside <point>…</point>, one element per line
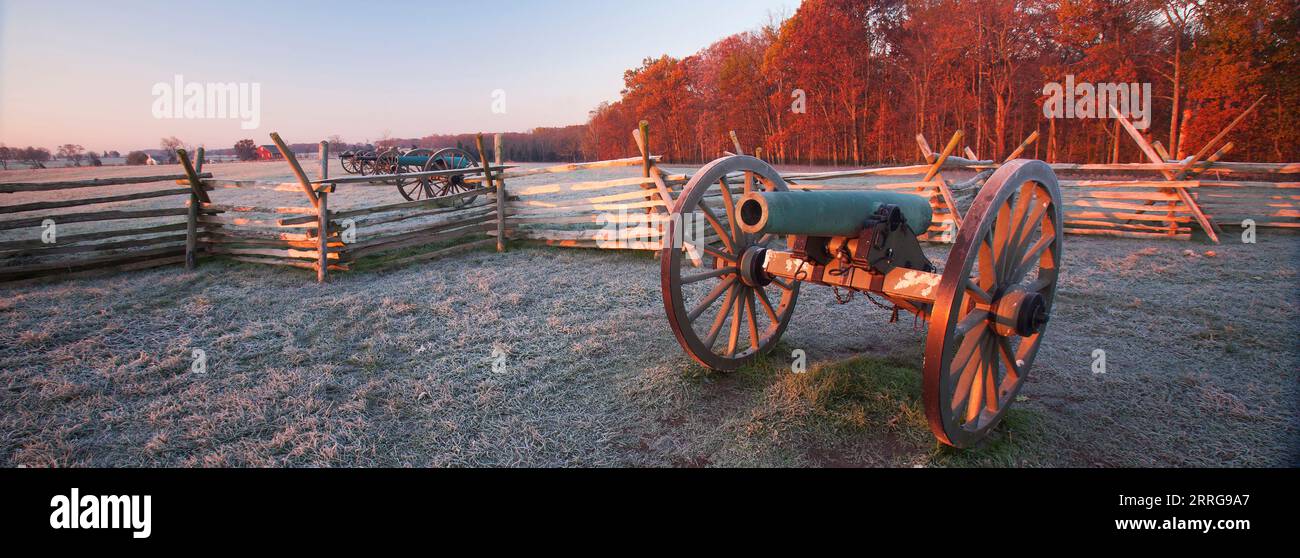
<point>295,167</point>
<point>501,198</point>
<point>644,128</point>
<point>500,193</point>
<point>192,233</point>
<point>323,218</point>
<point>197,197</point>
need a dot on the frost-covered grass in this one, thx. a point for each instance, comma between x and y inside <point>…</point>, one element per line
<point>395,368</point>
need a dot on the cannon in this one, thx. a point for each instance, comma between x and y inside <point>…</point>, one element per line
<point>397,162</point>
<point>743,243</point>
<point>353,160</point>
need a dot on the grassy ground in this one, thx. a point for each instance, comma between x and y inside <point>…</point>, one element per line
<point>396,368</point>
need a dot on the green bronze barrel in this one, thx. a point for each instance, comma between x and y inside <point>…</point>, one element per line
<point>413,160</point>
<point>826,213</point>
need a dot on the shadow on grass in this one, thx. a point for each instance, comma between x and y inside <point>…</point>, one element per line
<point>865,411</point>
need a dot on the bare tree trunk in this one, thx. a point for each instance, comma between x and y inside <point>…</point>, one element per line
<point>1051,140</point>
<point>1182,133</point>
<point>1114,154</point>
<point>1174,136</point>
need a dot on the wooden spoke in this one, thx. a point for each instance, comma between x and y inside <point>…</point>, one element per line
<point>721,318</point>
<point>1031,258</point>
<point>1008,359</point>
<point>968,345</point>
<point>975,394</point>
<point>712,218</point>
<point>1001,240</point>
<point>1034,217</point>
<point>753,319</point>
<point>710,298</point>
<point>749,182</point>
<point>730,208</point>
<point>974,288</point>
<point>739,314</point>
<point>708,275</point>
<point>1028,348</point>
<point>991,376</point>
<point>716,253</point>
<point>987,265</point>
<point>973,319</point>
<point>972,370</point>
<point>1018,214</point>
<point>739,301</point>
<point>767,305</point>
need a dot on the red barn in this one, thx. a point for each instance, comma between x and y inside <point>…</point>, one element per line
<point>267,153</point>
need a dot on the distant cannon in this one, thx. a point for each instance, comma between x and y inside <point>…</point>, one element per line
<point>750,243</point>
<point>397,162</point>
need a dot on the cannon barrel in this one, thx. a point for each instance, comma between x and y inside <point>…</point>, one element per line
<point>826,213</point>
<point>413,160</point>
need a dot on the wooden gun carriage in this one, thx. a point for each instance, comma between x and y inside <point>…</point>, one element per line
<point>397,162</point>
<point>740,236</point>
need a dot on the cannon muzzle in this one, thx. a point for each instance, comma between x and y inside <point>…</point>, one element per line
<point>826,213</point>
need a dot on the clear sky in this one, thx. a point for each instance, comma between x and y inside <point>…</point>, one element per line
<point>84,71</point>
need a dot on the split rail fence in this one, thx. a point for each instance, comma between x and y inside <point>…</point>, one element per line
<point>625,212</point>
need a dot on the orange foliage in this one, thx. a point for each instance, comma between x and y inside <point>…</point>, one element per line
<point>874,73</point>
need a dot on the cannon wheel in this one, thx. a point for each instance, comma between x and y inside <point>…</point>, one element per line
<point>348,160</point>
<point>445,159</point>
<point>415,188</point>
<point>386,162</point>
<point>366,163</point>
<point>701,267</point>
<point>1008,249</point>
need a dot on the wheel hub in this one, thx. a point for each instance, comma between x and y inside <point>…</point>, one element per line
<point>1020,312</point>
<point>751,267</point>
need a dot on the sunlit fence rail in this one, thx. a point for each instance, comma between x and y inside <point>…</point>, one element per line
<point>77,228</point>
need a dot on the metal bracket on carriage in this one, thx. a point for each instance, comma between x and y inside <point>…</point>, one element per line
<point>890,243</point>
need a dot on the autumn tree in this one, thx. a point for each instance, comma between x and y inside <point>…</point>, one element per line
<point>854,81</point>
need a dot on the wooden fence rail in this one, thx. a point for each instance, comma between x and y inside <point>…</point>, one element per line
<point>143,227</point>
<point>47,244</point>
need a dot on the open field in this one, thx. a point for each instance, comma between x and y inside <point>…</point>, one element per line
<point>396,368</point>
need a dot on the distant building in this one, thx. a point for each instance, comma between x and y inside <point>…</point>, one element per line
<point>267,153</point>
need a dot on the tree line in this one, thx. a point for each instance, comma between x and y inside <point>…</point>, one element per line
<point>854,81</point>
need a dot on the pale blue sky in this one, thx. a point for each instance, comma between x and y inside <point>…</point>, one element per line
<point>83,71</point>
